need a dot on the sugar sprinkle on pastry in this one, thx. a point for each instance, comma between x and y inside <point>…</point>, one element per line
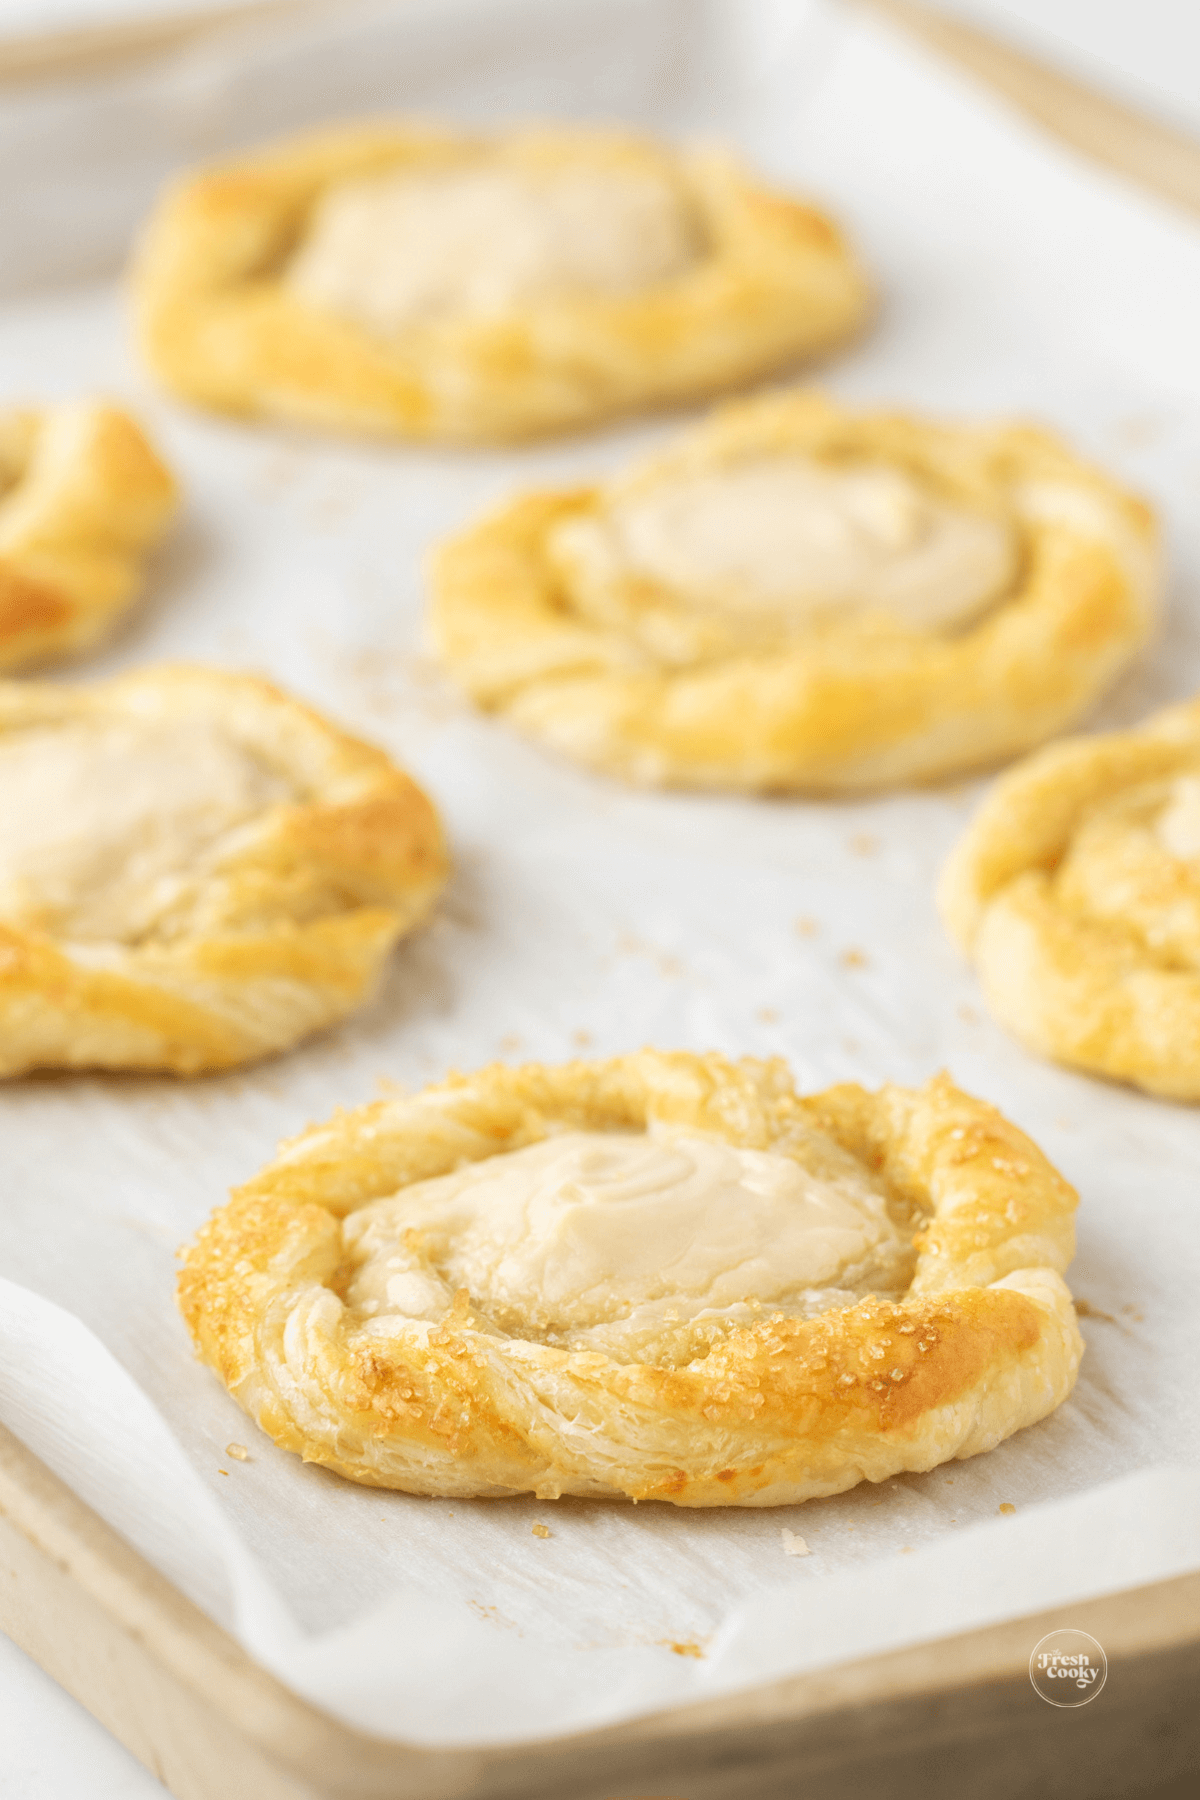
<point>659,1277</point>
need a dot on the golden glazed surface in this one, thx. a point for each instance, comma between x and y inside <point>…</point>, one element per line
<point>83,497</point>
<point>265,285</point>
<point>195,870</point>
<point>959,595</point>
<point>1076,893</point>
<point>664,1276</point>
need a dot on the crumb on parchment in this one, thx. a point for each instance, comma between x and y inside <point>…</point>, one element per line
<point>1085,1310</point>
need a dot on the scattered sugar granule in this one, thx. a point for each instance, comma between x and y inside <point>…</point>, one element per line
<point>793,1545</point>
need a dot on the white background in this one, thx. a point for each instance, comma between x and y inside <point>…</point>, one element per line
<point>50,1748</point>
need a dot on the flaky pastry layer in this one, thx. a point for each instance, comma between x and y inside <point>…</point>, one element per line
<point>83,497</point>
<point>662,695</point>
<point>1082,918</point>
<point>984,1341</point>
<point>285,932</point>
<point>774,282</point>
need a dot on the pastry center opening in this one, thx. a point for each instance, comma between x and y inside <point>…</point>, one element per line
<point>405,249</point>
<point>786,540</point>
<point>106,826</point>
<point>607,1238</point>
<point>1179,821</point>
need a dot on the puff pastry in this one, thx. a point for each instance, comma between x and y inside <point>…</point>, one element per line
<point>801,598</point>
<point>665,1277</point>
<point>1076,892</point>
<point>396,279</point>
<point>83,496</point>
<point>195,870</point>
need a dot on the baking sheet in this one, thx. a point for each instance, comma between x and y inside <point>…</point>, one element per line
<point>584,918</point>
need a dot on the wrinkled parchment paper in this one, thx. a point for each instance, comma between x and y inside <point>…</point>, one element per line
<point>587,918</point>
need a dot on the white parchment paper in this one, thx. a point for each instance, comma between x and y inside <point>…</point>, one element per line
<point>585,917</point>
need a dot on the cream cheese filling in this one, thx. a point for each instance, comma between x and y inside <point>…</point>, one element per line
<point>402,249</point>
<point>596,1237</point>
<point>788,540</point>
<point>1178,825</point>
<point>105,825</point>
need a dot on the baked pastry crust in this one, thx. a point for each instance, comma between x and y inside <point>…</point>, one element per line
<point>984,1341</point>
<point>1083,923</point>
<point>655,693</point>
<point>775,283</point>
<point>83,497</point>
<point>281,933</point>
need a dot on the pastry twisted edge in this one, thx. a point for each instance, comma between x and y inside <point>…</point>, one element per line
<point>984,1343</point>
<point>312,902</point>
<point>83,497</point>
<point>1081,991</point>
<point>218,327</point>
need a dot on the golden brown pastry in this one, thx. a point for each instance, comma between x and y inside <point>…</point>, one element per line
<point>667,1277</point>
<point>1076,893</point>
<point>195,870</point>
<point>800,598</point>
<point>83,497</point>
<point>398,279</point>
